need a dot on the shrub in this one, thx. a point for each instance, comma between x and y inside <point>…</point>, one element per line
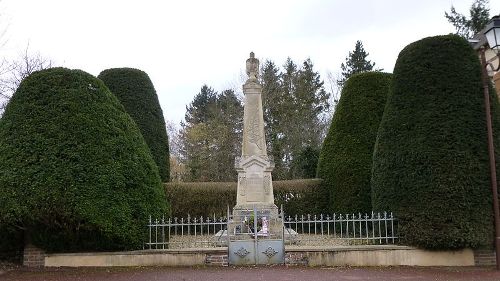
<point>75,171</point>
<point>137,94</point>
<point>346,157</point>
<point>306,163</point>
<point>208,198</point>
<point>301,197</point>
<point>431,158</point>
<point>11,244</point>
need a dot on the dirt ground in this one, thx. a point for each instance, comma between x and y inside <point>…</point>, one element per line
<point>274,273</point>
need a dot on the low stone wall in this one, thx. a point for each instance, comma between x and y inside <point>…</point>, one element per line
<point>304,256</point>
<point>377,256</point>
<point>187,257</point>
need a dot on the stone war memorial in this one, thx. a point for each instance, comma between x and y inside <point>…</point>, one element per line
<point>255,229</point>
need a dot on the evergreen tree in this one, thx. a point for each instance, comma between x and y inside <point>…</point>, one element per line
<point>356,62</point>
<point>430,161</point>
<point>346,156</point>
<point>273,102</point>
<point>229,120</point>
<point>468,27</point>
<point>294,102</point>
<point>75,171</point>
<point>310,101</point>
<point>137,94</point>
<point>202,108</point>
<point>211,136</point>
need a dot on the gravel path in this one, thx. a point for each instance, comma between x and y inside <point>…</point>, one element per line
<point>275,273</point>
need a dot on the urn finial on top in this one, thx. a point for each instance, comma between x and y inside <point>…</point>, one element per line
<point>252,67</point>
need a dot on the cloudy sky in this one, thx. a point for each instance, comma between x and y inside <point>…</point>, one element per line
<point>184,44</point>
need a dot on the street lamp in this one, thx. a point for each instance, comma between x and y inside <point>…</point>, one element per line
<point>492,34</point>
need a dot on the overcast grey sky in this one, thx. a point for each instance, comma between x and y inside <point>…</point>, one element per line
<point>185,44</point>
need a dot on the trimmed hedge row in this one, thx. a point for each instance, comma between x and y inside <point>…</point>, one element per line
<point>75,171</point>
<point>208,198</point>
<point>346,157</point>
<point>137,94</point>
<point>430,162</point>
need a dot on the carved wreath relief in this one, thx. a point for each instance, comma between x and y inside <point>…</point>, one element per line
<point>255,138</point>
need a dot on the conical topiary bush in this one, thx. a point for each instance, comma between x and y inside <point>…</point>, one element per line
<point>346,157</point>
<point>136,92</point>
<point>431,157</point>
<point>75,171</point>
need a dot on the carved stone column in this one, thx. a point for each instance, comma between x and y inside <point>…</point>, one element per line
<point>255,188</point>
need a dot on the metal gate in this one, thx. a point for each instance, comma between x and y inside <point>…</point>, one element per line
<point>256,237</point>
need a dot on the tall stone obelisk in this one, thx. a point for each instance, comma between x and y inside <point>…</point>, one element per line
<point>255,185</point>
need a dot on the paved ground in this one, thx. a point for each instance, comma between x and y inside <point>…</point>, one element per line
<point>274,273</point>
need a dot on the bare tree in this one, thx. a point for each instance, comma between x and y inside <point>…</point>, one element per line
<point>335,89</point>
<point>177,167</point>
<point>173,138</point>
<point>13,72</point>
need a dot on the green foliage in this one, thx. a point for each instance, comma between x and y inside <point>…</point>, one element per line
<point>137,94</point>
<point>75,171</point>
<point>11,244</point>
<point>294,103</point>
<point>307,162</point>
<point>346,157</point>
<point>274,103</point>
<point>355,63</point>
<point>301,197</point>
<point>468,27</point>
<point>430,164</point>
<point>200,198</point>
<point>211,137</point>
<point>208,198</point>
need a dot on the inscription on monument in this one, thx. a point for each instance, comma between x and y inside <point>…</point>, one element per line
<point>254,183</point>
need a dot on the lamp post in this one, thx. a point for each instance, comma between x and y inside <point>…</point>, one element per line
<point>492,34</point>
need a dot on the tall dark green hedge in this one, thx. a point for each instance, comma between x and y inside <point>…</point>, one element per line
<point>431,158</point>
<point>346,157</point>
<point>136,92</point>
<point>197,199</point>
<point>75,171</point>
